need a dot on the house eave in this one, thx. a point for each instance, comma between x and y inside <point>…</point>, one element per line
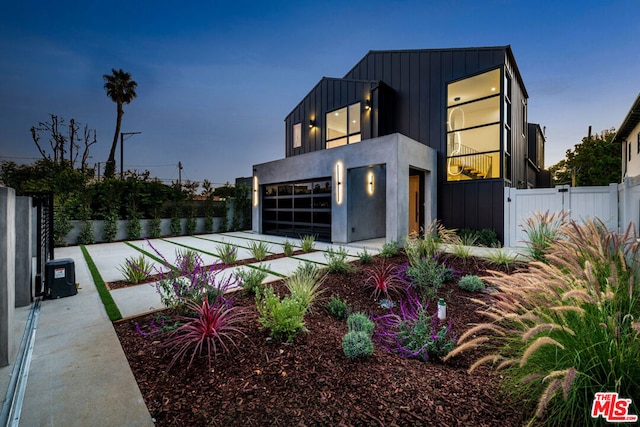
<point>629,123</point>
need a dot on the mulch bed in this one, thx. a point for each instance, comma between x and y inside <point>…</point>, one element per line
<point>311,382</point>
<point>117,284</point>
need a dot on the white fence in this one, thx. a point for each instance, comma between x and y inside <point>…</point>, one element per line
<point>580,202</point>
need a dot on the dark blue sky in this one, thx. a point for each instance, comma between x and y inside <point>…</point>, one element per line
<point>216,79</point>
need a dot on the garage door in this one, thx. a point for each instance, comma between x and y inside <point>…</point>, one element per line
<point>296,209</point>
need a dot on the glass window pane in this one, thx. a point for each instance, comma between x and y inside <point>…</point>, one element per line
<point>354,138</point>
<point>354,118</point>
<point>473,166</point>
<point>337,142</point>
<point>297,135</point>
<point>303,188</point>
<point>284,190</point>
<point>322,187</point>
<point>337,124</point>
<point>474,114</point>
<point>486,138</point>
<point>476,87</point>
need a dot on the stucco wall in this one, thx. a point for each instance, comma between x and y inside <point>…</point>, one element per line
<point>397,152</point>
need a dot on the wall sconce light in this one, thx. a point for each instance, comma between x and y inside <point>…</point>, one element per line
<point>339,183</point>
<point>367,104</point>
<point>312,124</point>
<point>370,183</point>
<point>255,191</point>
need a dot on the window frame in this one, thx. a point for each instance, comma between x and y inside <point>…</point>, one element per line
<point>296,131</point>
<point>348,136</point>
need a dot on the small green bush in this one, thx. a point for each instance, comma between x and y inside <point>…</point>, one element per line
<point>360,322</point>
<point>110,227</point>
<point>357,344</point>
<point>134,227</point>
<point>251,278</point>
<point>337,261</point>
<point>307,242</point>
<point>337,307</point>
<point>175,226</point>
<point>471,283</point>
<point>427,275</point>
<point>259,250</point>
<point>283,318</point>
<point>305,284</point>
<point>485,237</point>
<point>365,257</point>
<point>86,233</point>
<point>287,248</point>
<point>390,249</point>
<point>153,227</point>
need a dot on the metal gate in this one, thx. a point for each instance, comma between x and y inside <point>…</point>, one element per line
<point>42,203</point>
<point>581,203</point>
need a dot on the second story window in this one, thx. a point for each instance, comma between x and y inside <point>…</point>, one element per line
<point>297,135</point>
<point>343,126</point>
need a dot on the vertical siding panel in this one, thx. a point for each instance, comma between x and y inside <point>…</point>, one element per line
<point>423,97</point>
<point>414,95</point>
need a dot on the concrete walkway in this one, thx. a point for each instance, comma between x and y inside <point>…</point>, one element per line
<point>79,375</point>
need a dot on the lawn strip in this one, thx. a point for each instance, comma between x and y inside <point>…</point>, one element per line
<point>109,304</point>
<point>234,244</point>
<point>152,256</point>
<point>192,248</point>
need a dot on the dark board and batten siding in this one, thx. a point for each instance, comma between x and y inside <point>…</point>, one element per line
<point>414,104</point>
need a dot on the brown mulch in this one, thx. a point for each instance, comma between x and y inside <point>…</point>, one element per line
<point>117,284</point>
<point>311,382</point>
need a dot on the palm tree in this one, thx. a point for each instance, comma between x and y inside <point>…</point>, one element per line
<point>121,89</point>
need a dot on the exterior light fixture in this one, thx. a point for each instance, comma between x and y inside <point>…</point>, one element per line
<point>367,104</point>
<point>456,99</point>
<point>255,190</point>
<point>442,309</point>
<point>370,183</point>
<point>339,184</point>
<point>312,124</point>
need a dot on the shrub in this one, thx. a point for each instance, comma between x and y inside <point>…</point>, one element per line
<point>304,284</point>
<point>136,269</point>
<point>287,248</point>
<point>191,223</point>
<point>85,237</point>
<point>190,280</point>
<point>471,283</point>
<point>227,253</point>
<point>251,278</point>
<point>360,322</point>
<point>259,250</point>
<point>337,307</point>
<point>153,227</point>
<point>462,250</point>
<point>283,318</point>
<point>357,344</point>
<point>175,226</point>
<point>214,327</point>
<point>61,225</point>
<point>412,333</point>
<point>390,249</point>
<point>337,261</point>
<point>542,230</point>
<point>382,279</point>
<point>485,237</point>
<point>134,227</point>
<point>307,243</point>
<point>563,330</point>
<point>110,226</point>
<point>500,258</point>
<point>365,257</point>
<point>427,275</point>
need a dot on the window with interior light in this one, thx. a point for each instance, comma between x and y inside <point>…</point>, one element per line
<point>473,127</point>
<point>343,126</point>
<point>297,135</point>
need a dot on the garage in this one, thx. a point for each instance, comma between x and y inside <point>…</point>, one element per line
<point>295,209</point>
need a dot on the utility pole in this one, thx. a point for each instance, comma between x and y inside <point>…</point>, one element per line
<point>122,134</point>
<point>180,174</point>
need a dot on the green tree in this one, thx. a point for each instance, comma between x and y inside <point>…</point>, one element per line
<point>121,90</point>
<point>595,161</point>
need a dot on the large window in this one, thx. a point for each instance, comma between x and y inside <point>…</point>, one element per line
<point>343,126</point>
<point>473,127</point>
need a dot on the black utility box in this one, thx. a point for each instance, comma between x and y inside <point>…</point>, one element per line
<point>60,278</point>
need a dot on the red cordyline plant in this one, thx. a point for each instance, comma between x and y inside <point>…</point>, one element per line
<point>383,279</point>
<point>214,328</point>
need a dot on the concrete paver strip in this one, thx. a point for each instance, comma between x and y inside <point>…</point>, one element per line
<point>109,257</point>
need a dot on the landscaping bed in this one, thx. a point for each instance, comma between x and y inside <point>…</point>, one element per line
<point>311,381</point>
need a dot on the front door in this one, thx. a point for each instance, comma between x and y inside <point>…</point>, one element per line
<point>414,204</point>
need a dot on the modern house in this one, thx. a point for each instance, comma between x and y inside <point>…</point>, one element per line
<point>403,138</point>
<point>628,136</point>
